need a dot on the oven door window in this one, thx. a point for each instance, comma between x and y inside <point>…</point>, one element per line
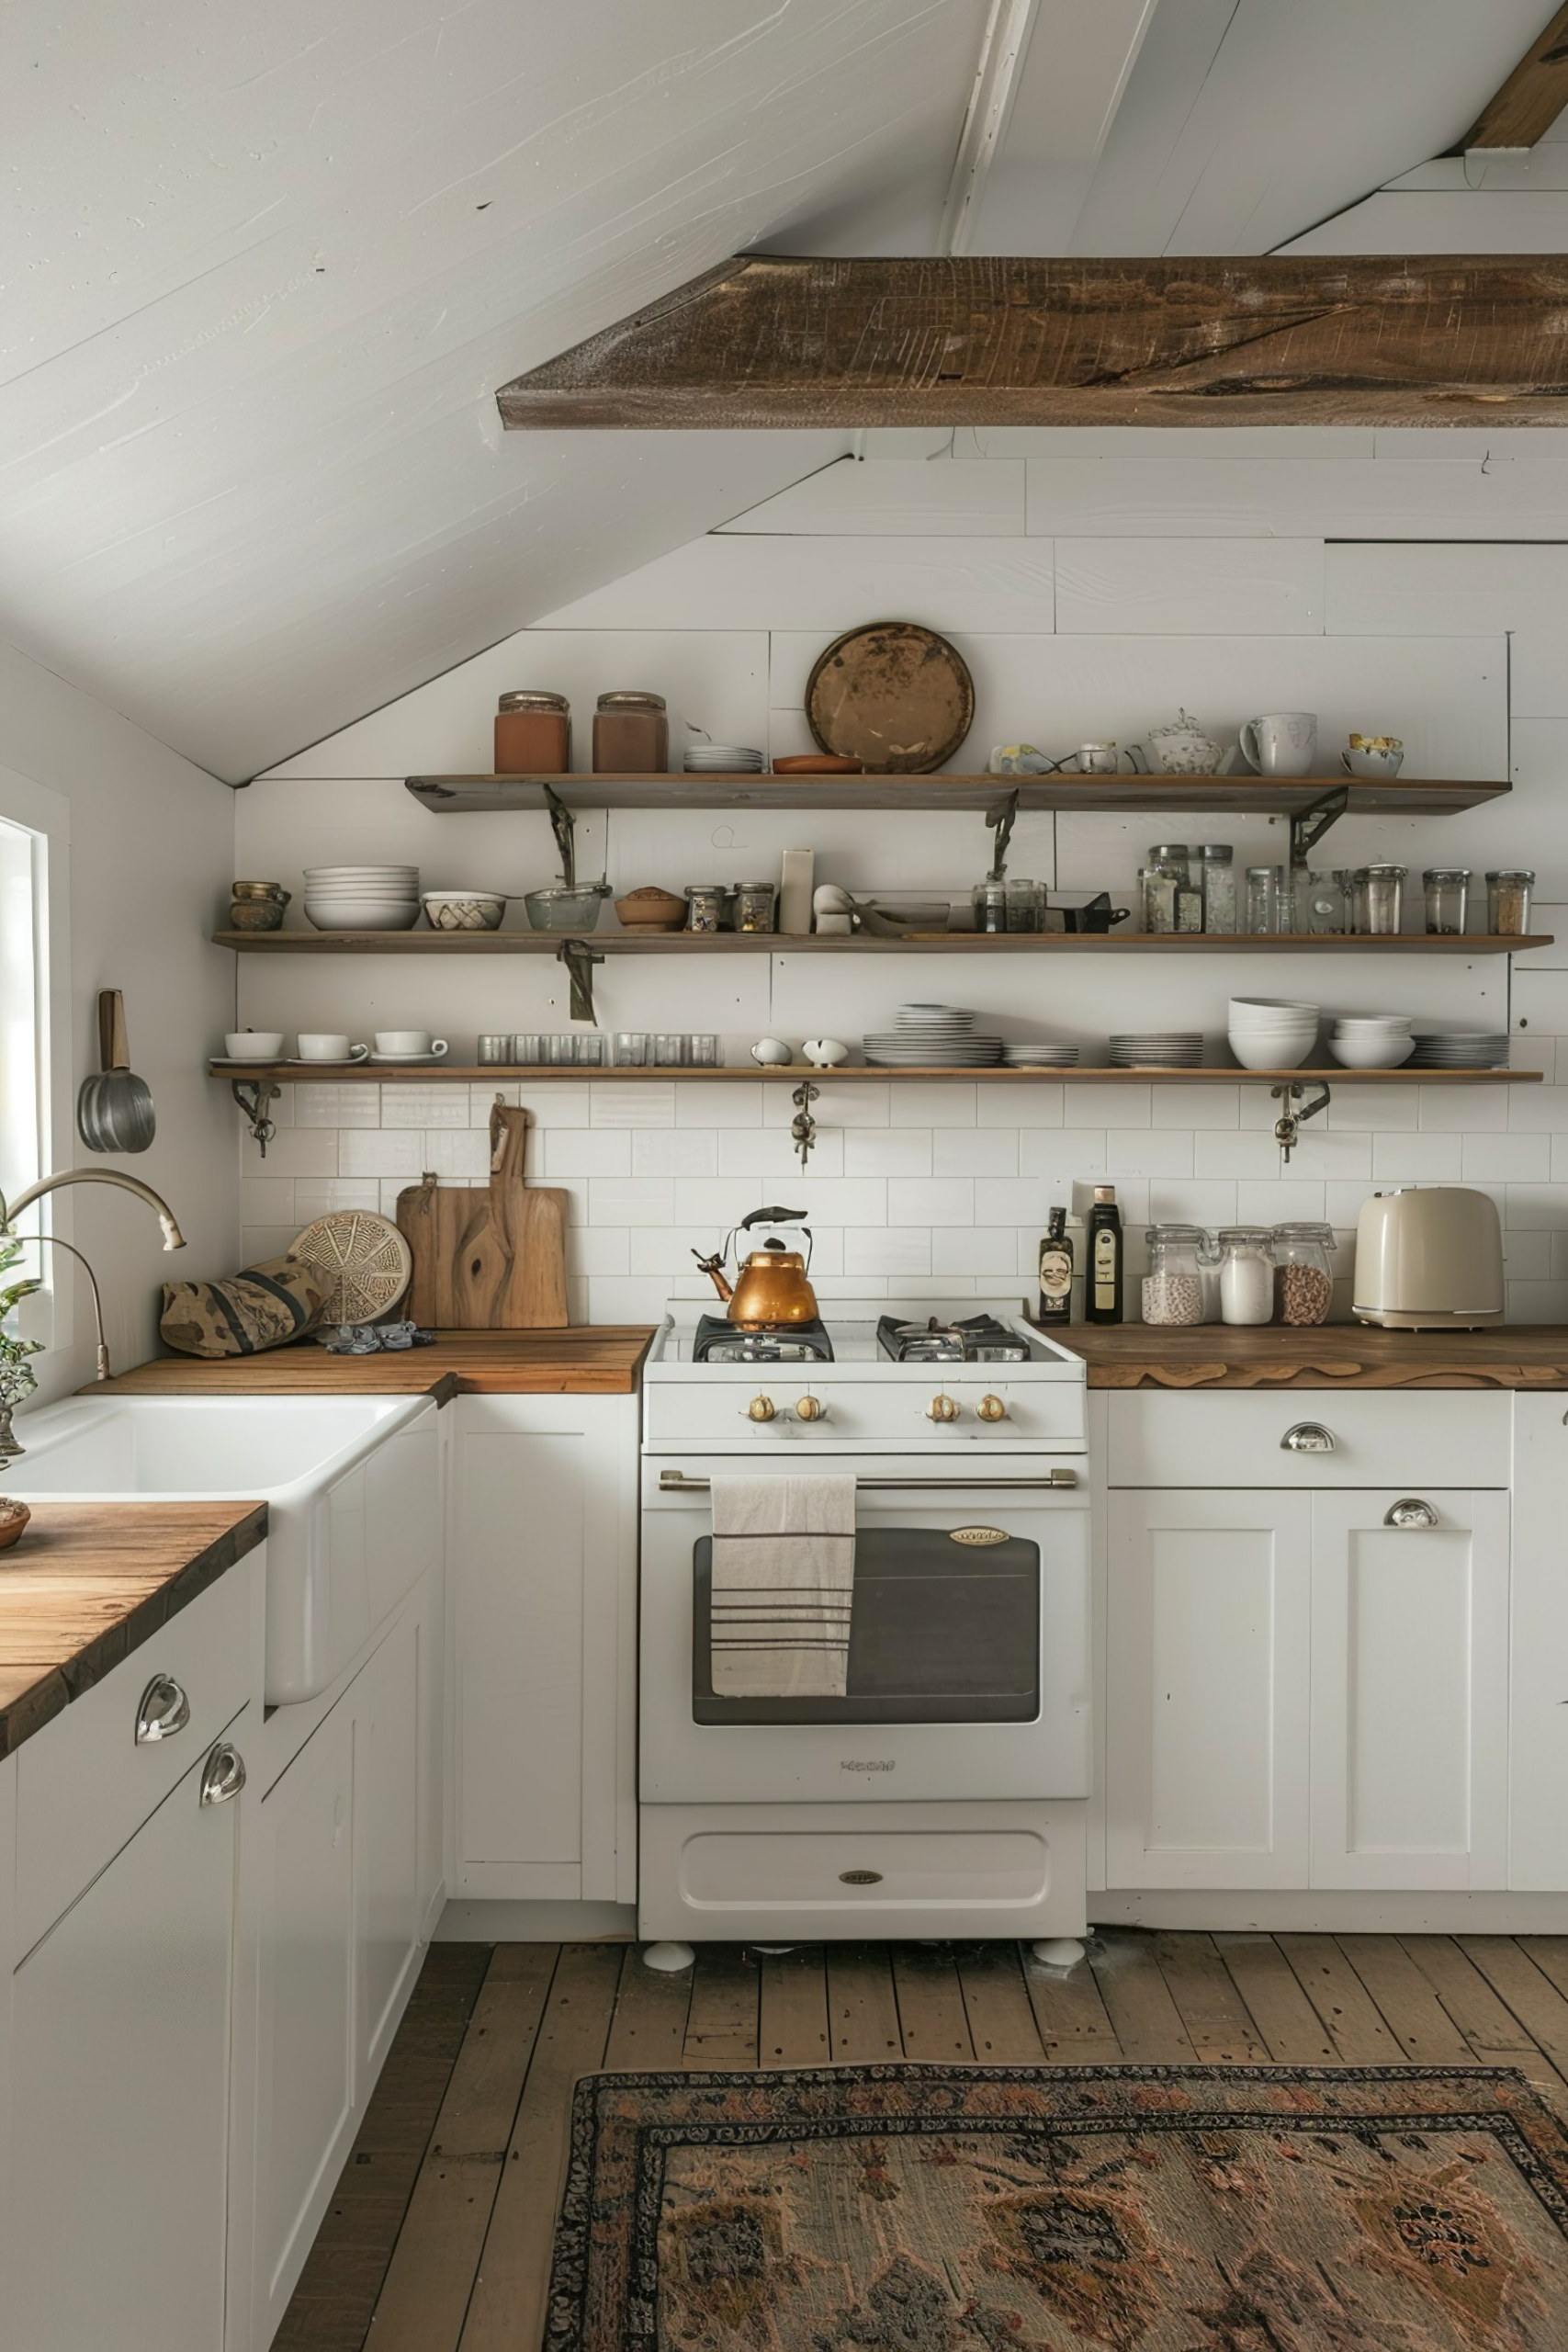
<point>942,1631</point>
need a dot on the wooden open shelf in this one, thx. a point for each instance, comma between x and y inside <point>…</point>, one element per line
<point>535,1074</point>
<point>914,943</point>
<point>1166,796</point>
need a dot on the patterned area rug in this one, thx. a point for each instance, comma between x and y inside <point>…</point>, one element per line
<point>1138,2208</point>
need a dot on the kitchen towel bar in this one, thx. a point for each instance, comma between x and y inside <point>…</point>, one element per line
<point>675,1482</point>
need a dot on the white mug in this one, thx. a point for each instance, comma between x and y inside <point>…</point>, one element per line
<point>1282,743</point>
<point>254,1044</point>
<point>409,1041</point>
<point>319,1046</point>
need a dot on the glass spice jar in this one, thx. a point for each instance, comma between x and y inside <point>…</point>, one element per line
<point>1263,899</point>
<point>1247,1274</point>
<point>1156,899</point>
<point>1448,900</point>
<point>1025,905</point>
<point>1384,899</point>
<point>1217,873</point>
<point>1325,903</point>
<point>631,734</point>
<point>754,905</point>
<point>1508,902</point>
<point>704,905</point>
<point>1303,1282</point>
<point>988,900</point>
<point>533,734</point>
<point>1173,1287</point>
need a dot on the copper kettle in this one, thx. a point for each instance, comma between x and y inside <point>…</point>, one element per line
<point>770,1288</point>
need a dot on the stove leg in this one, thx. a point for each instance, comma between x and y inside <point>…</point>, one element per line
<point>1058,1952</point>
<point>669,1959</point>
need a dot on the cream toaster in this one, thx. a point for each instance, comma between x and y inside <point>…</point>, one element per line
<point>1428,1257</point>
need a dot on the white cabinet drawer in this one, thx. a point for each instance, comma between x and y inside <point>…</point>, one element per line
<point>1378,1438</point>
<point>85,1785</point>
<point>860,1411</point>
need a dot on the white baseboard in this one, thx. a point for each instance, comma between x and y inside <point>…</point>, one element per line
<point>466,1921</point>
<point>1330,1912</point>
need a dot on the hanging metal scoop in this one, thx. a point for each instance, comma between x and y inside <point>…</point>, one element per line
<point>114,1110</point>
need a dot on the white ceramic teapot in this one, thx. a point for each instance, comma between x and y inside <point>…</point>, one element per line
<point>1182,748</point>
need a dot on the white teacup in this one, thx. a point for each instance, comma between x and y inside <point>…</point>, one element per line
<point>1281,742</point>
<point>254,1044</point>
<point>322,1045</point>
<point>409,1041</point>
<point>1373,756</point>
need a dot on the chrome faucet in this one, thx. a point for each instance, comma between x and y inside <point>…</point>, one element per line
<point>10,1448</point>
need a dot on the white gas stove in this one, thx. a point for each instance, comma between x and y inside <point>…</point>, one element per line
<point>945,1794</point>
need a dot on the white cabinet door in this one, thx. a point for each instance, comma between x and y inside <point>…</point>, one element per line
<point>388,1724</point>
<point>1409,1691</point>
<point>119,2115</point>
<point>1538,1717</point>
<point>1207,1696</point>
<point>306,1972</point>
<point>544,1592</point>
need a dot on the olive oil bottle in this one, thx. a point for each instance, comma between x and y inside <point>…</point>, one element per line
<point>1057,1271</point>
<point>1106,1254</point>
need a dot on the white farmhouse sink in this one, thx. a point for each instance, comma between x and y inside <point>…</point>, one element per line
<point>352,1486</point>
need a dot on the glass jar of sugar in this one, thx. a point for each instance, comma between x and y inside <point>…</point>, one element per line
<point>1247,1274</point>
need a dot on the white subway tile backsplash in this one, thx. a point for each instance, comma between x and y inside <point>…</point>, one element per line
<point>337,1106</point>
<point>1325,1152</point>
<point>936,1103</point>
<point>629,1104</point>
<point>1532,1257</point>
<point>1032,1102</point>
<point>1473,1110</point>
<point>1202,1201</point>
<point>598,1249</point>
<point>1008,1200</point>
<point>1539,1109</point>
<point>1506,1159</point>
<point>381,1151</point>
<point>423,1106</point>
<point>631,1200</point>
<point>770,1151</point>
<point>1195,1106</point>
<point>1059,1157</point>
<point>974,1152</point>
<point>266,1199</point>
<point>850,1104</point>
<point>1536,1208</point>
<point>1148,1151</point>
<point>975,1251</point>
<point>1417,1158</point>
<point>893,1252</point>
<point>1373,1109</point>
<point>1245,1153</point>
<point>1278,1201</point>
<point>624,1299</point>
<point>326,1196</point>
<point>1107,1104</point>
<point>567,1103</point>
<point>260,1242</point>
<point>674,1151</point>
<point>459,1155</point>
<point>710,1202</point>
<point>586,1151</point>
<point>931,1200</point>
<point>701,1103</point>
<point>892,1151</point>
<point>481,1101</point>
<point>1530,1302</point>
<point>293,1151</point>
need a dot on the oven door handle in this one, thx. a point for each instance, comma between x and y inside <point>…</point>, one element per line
<point>675,1482</point>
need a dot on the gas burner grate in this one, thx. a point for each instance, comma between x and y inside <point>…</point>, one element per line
<point>717,1341</point>
<point>976,1339</point>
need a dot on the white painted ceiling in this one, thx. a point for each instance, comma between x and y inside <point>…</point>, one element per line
<point>265,267</point>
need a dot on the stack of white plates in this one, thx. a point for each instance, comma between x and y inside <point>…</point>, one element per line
<point>1041,1057</point>
<point>362,897</point>
<point>1271,1033</point>
<point>1460,1049</point>
<point>1159,1049</point>
<point>1370,1040</point>
<point>728,759</point>
<point>932,1036</point>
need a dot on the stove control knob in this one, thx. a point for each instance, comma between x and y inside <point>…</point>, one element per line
<point>942,1409</point>
<point>810,1408</point>
<point>991,1409</point>
<point>761,1408</point>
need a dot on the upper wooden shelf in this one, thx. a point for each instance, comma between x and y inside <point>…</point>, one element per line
<point>914,943</point>
<point>537,1074</point>
<point>1240,796</point>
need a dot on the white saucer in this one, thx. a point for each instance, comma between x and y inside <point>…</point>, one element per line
<point>407,1057</point>
<point>305,1061</point>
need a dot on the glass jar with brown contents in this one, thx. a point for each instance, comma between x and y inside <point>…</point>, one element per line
<point>533,734</point>
<point>631,735</point>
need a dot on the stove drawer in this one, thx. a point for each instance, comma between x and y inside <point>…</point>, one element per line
<point>861,1411</point>
<point>794,1871</point>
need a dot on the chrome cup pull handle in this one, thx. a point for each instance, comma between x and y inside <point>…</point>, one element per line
<point>222,1775</point>
<point>162,1711</point>
<point>1307,1437</point>
<point>1410,1512</point>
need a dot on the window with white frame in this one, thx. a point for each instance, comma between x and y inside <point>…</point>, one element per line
<point>34,1011</point>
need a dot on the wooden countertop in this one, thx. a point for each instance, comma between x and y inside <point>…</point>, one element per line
<point>1334,1355</point>
<point>90,1582</point>
<point>585,1360</point>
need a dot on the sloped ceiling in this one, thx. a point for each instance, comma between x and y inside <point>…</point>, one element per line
<point>267,264</point>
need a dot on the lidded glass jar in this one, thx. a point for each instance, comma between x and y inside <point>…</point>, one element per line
<point>1173,1287</point>
<point>1304,1281</point>
<point>1379,899</point>
<point>1218,876</point>
<point>1508,902</point>
<point>1025,905</point>
<point>1324,903</point>
<point>1247,1274</point>
<point>1448,900</point>
<point>533,734</point>
<point>631,734</point>
<point>1173,858</point>
<point>754,906</point>
<point>704,905</point>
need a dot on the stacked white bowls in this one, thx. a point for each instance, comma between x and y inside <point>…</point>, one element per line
<point>1372,1040</point>
<point>1271,1033</point>
<point>362,897</point>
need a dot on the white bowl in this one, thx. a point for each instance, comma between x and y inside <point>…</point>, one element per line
<point>1394,1026</point>
<point>1249,1005</point>
<point>1255,1054</point>
<point>360,915</point>
<point>1364,1052</point>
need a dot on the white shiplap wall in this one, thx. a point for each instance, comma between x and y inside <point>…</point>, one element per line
<point>1093,581</point>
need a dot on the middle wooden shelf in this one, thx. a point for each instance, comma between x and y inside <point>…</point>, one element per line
<point>951,943</point>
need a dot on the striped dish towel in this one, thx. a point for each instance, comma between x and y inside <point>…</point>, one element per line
<point>783,1573</point>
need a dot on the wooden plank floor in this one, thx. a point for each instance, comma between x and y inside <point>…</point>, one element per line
<point>438,2239</point>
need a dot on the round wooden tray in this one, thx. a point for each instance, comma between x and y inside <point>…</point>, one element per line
<point>893,695</point>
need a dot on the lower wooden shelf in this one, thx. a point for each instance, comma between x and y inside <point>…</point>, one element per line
<point>532,1074</point>
<point>915,943</point>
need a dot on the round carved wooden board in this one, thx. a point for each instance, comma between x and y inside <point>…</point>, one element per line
<point>365,1256</point>
<point>893,695</point>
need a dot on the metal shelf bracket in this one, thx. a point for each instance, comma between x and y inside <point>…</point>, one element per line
<point>1309,824</point>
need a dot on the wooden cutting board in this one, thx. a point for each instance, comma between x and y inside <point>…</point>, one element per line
<point>487,1261</point>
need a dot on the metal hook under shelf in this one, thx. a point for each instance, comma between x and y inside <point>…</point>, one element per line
<point>253,1095</point>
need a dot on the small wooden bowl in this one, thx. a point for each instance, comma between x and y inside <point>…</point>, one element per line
<point>651,909</point>
<point>819,764</point>
<point>14,1517</point>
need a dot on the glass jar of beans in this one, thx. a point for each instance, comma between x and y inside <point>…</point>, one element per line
<point>1304,1284</point>
<point>1173,1287</point>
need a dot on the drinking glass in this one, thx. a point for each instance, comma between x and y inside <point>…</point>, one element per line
<point>705,1051</point>
<point>496,1046</point>
<point>527,1046</point>
<point>631,1050</point>
<point>559,1052</point>
<point>588,1050</point>
<point>671,1051</point>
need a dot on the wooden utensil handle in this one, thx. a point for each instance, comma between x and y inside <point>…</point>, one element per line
<point>114,1041</point>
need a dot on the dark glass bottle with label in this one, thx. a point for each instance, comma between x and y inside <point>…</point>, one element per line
<point>1057,1271</point>
<point>1102,1281</point>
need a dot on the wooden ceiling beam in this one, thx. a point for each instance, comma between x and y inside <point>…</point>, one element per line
<point>1531,98</point>
<point>1278,339</point>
